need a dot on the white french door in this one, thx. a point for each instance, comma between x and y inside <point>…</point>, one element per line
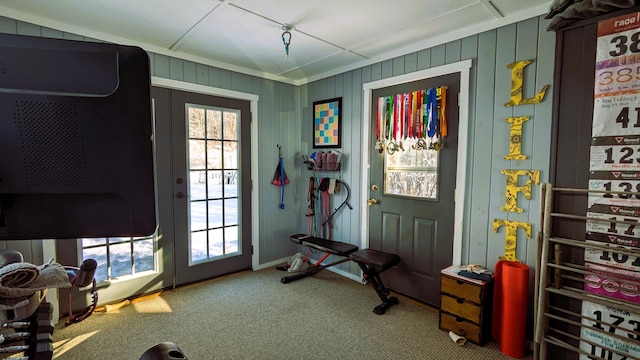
<point>211,189</point>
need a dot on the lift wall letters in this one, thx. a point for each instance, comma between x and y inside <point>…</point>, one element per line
<point>515,153</point>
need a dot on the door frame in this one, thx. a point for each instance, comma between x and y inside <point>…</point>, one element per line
<point>462,67</point>
<point>254,175</point>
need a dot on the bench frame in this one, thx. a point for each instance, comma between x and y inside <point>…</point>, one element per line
<point>371,262</point>
<point>329,247</point>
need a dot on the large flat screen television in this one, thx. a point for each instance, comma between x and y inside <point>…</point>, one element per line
<point>76,140</point>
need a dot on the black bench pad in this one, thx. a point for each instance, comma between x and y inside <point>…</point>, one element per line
<point>329,246</point>
<point>379,260</point>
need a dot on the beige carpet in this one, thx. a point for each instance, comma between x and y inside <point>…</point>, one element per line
<point>251,315</point>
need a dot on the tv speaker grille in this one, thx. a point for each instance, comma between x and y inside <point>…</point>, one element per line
<point>51,138</point>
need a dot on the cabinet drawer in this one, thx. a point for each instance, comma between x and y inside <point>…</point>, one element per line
<point>461,326</point>
<point>461,307</point>
<point>461,289</point>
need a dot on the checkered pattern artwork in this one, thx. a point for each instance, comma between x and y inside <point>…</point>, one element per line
<point>326,125</point>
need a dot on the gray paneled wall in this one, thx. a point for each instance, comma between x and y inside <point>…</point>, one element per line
<point>284,118</point>
<point>490,84</point>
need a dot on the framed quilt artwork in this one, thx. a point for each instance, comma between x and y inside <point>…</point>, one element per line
<point>327,118</point>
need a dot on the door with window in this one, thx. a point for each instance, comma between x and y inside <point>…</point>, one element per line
<point>202,148</point>
<point>411,199</point>
<point>211,185</point>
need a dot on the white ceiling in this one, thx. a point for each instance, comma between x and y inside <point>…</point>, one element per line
<point>328,36</point>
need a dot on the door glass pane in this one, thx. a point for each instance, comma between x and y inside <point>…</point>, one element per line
<point>216,184</point>
<point>214,124</point>
<point>214,194</point>
<point>197,154</point>
<point>231,154</point>
<point>231,237</point>
<point>214,155</point>
<point>216,243</point>
<point>198,240</point>
<point>412,172</point>
<point>198,185</point>
<point>230,125</point>
<point>196,123</point>
<point>198,215</point>
<point>215,214</point>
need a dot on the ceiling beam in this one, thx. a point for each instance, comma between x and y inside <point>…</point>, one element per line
<point>491,9</point>
<point>176,45</point>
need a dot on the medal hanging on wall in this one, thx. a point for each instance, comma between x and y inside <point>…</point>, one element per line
<point>417,117</point>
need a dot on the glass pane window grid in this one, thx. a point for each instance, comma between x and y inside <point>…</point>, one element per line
<point>120,256</point>
<point>412,172</point>
<point>213,154</point>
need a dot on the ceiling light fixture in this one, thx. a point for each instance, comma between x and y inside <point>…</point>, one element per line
<point>286,38</point>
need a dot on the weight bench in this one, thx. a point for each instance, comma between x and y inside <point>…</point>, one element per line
<point>372,262</point>
<point>329,247</point>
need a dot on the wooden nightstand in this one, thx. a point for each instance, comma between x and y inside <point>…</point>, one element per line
<point>465,305</point>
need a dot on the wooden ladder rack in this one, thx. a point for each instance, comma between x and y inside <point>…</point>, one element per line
<point>567,314</point>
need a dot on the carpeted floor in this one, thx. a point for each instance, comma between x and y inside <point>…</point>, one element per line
<point>251,315</point>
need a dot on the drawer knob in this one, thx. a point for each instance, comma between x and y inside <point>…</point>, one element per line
<point>459,319</point>
<point>459,300</point>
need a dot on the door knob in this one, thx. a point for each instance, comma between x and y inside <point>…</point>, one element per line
<point>180,195</point>
<point>372,202</point>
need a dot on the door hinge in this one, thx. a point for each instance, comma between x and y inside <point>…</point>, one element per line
<point>251,249</point>
<point>458,99</point>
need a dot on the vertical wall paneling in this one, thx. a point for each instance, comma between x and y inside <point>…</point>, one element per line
<point>8,26</point>
<point>29,29</point>
<point>480,156</point>
<point>452,51</point>
<point>215,77</point>
<point>398,66</point>
<point>176,69</point>
<point>202,74</point>
<point>190,72</point>
<point>161,66</point>
<point>411,62</point>
<point>438,55</point>
<point>424,59</point>
<point>505,54</point>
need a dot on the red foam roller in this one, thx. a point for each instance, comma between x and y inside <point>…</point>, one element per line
<point>497,301</point>
<point>513,320</point>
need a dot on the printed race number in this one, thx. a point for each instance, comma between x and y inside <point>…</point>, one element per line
<point>599,323</point>
<point>617,79</point>
<point>615,157</point>
<point>615,116</point>
<point>614,199</point>
<point>606,224</point>
<point>624,44</point>
<point>611,258</point>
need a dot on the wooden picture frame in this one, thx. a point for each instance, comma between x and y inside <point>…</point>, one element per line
<point>327,123</point>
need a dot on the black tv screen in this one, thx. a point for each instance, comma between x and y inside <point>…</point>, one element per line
<point>76,140</point>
